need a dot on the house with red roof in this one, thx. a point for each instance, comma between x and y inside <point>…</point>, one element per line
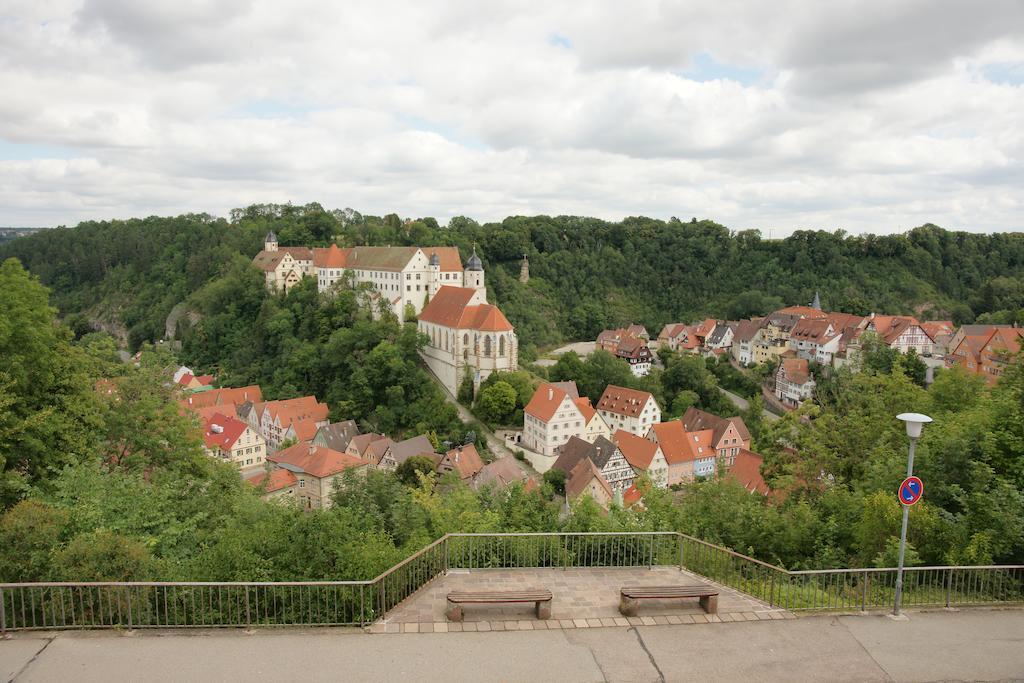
<point>794,383</point>
<point>466,335</point>
<point>629,409</point>
<point>672,336</point>
<point>317,470</point>
<point>747,471</point>
<point>552,416</point>
<point>229,439</point>
<point>294,419</point>
<point>1001,347</point>
<point>901,333</point>
<point>728,434</point>
<point>283,267</point>
<point>276,484</point>
<point>585,479</point>
<point>463,460</point>
<point>643,455</point>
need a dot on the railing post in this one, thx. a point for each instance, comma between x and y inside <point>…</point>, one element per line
<point>130,624</point>
<point>681,546</point>
<point>3,614</point>
<point>651,564</point>
<point>771,591</point>
<point>362,604</point>
<point>949,585</point>
<point>864,592</point>
<point>565,554</point>
<point>446,553</point>
<point>248,613</point>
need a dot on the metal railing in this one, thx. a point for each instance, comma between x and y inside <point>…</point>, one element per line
<point>25,606</point>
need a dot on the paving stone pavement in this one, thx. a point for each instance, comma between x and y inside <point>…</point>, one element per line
<point>581,598</point>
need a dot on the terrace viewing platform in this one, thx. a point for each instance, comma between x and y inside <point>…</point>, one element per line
<point>769,622</point>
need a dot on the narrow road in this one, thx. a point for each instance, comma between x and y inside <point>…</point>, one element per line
<point>744,404</point>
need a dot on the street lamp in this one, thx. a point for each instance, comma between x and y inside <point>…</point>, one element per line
<point>914,423</point>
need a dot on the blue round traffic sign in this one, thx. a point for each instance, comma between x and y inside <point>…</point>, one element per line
<point>911,490</point>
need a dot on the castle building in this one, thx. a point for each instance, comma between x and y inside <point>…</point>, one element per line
<point>400,276</point>
<point>466,333</point>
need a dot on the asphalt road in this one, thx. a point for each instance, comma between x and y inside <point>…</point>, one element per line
<point>940,645</point>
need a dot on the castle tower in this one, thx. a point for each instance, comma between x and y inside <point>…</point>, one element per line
<point>434,280</point>
<point>473,276</point>
<point>270,242</point>
<point>524,270</point>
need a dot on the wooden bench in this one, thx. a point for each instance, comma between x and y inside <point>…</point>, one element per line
<point>541,596</point>
<point>631,595</point>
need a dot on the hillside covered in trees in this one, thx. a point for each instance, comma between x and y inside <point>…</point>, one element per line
<point>585,274</point>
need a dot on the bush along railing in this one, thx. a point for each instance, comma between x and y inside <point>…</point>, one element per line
<point>26,606</point>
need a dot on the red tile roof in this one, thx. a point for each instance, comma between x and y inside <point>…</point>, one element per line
<point>218,397</point>
<point>700,444</point>
<point>465,460</point>
<point>816,330</point>
<point>545,402</point>
<point>276,480</point>
<point>318,461</point>
<point>330,257</point>
<point>631,496</point>
<point>623,401</point>
<point>801,311</point>
<point>222,431</point>
<point>451,307</point>
<point>638,451</point>
<point>584,407</point>
<point>796,370</point>
<point>746,469</point>
<point>938,328</point>
<point>695,419</point>
<point>671,437</point>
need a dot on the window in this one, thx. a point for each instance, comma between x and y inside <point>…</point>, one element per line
<point>302,483</point>
<point>408,288</point>
<point>501,345</point>
<point>487,345</point>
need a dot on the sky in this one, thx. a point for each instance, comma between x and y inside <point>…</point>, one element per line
<point>865,115</point>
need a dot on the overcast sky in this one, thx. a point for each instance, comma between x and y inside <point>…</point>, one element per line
<point>868,116</point>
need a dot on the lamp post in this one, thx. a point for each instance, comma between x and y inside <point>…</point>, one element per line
<point>914,423</point>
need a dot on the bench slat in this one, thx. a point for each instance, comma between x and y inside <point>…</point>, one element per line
<point>641,592</point>
<point>499,596</point>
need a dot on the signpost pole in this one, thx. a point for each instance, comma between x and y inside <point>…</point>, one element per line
<point>903,535</point>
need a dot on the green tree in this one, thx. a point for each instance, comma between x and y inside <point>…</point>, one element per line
<point>497,402</point>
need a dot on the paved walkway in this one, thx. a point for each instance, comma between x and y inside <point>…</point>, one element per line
<point>969,645</point>
<point>581,598</point>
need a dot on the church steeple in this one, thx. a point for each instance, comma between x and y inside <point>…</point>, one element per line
<point>524,270</point>
<point>816,304</point>
<point>270,242</point>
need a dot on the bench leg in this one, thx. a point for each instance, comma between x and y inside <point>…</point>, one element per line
<point>710,604</point>
<point>454,612</point>
<point>627,606</point>
<point>543,609</point>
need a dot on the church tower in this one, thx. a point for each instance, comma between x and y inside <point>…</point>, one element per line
<point>434,279</point>
<point>473,276</point>
<point>270,242</point>
<point>524,270</point>
<point>816,304</point>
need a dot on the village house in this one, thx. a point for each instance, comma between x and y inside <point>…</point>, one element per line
<point>901,333</point>
<point>609,340</point>
<point>636,353</point>
<point>999,349</point>
<point>747,471</point>
<point>793,381</point>
<point>629,409</point>
<point>318,471</point>
<point>502,473</point>
<point>743,341</point>
<point>814,339</point>
<point>643,455</point>
<point>585,480</point>
<point>672,336</point>
<point>463,460</point>
<point>605,456</point>
<point>400,451</point>
<point>671,439</point>
<point>466,334</point>
<point>229,439</point>
<point>941,332</point>
<point>229,398</point>
<point>595,424</point>
<point>363,447</point>
<point>729,435</point>
<point>703,454</point>
<point>551,417</point>
<point>719,342</point>
<point>280,484</point>
<point>336,435</point>
<point>294,419</point>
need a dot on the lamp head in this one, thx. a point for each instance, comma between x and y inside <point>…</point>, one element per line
<point>914,422</point>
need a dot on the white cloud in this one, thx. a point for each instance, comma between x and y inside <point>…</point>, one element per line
<point>871,116</point>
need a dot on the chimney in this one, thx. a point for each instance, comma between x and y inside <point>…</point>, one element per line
<point>551,393</point>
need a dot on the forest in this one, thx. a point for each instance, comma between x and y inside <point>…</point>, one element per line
<point>100,485</point>
<point>586,274</point>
